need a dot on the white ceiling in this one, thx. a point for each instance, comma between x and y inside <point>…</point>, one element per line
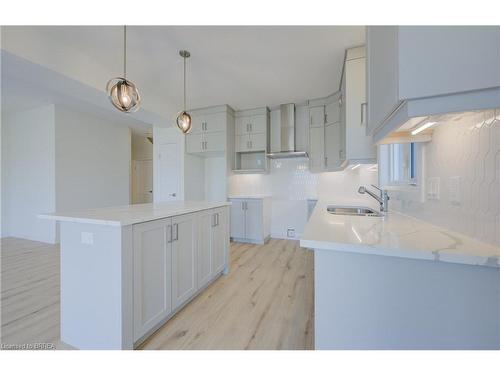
<point>243,66</point>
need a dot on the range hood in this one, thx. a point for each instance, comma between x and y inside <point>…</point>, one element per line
<point>287,135</point>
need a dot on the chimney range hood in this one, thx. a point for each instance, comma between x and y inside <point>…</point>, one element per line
<point>287,135</point>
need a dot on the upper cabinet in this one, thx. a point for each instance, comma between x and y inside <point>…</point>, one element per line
<point>337,123</point>
<point>252,140</point>
<point>415,71</point>
<point>210,131</point>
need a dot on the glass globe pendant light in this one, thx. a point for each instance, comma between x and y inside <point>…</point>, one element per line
<point>183,118</point>
<point>122,93</point>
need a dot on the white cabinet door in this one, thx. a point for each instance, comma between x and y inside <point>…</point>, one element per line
<point>253,219</point>
<point>243,143</point>
<point>257,142</point>
<point>316,148</point>
<point>197,124</point>
<point>333,145</point>
<point>219,241</point>
<point>206,221</point>
<point>194,143</point>
<point>214,122</point>
<point>152,275</point>
<point>237,218</point>
<point>214,141</point>
<point>317,116</point>
<point>258,124</point>
<point>242,125</point>
<point>332,111</point>
<point>183,258</point>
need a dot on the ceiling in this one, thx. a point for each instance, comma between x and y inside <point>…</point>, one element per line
<point>243,66</point>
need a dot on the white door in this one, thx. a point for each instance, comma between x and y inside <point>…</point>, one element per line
<point>253,219</point>
<point>184,270</point>
<point>205,252</point>
<point>152,275</point>
<point>219,241</point>
<point>242,143</point>
<point>142,181</point>
<point>242,125</point>
<point>332,111</point>
<point>215,122</point>
<point>237,218</point>
<point>169,172</point>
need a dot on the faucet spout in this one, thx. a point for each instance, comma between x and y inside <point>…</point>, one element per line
<point>383,199</point>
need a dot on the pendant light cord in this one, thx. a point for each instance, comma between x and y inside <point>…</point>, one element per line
<point>125,51</point>
<point>184,83</point>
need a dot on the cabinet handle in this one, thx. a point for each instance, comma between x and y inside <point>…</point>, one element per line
<point>251,126</point>
<point>213,220</point>
<point>169,229</point>
<point>363,106</point>
<point>326,161</point>
<point>311,121</point>
<point>326,116</point>
<point>242,205</point>
<point>206,126</point>
<point>216,219</point>
<point>176,226</point>
<point>250,144</point>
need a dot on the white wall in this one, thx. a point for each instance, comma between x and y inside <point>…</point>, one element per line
<point>467,149</point>
<point>92,161</point>
<point>28,173</point>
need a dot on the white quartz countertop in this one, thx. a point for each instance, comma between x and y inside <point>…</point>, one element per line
<point>132,214</point>
<point>249,196</point>
<point>394,235</point>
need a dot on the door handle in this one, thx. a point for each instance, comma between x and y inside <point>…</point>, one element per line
<point>173,195</point>
<point>217,219</point>
<point>176,231</point>
<point>169,229</point>
<point>251,127</point>
<point>363,106</point>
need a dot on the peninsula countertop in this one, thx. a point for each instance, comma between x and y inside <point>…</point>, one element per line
<point>132,214</point>
<point>395,235</point>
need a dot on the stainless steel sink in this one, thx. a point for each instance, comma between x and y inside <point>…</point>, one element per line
<point>353,210</point>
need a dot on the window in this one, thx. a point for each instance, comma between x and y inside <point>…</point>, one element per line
<point>403,164</point>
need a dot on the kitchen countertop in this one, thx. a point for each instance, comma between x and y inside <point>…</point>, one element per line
<point>249,196</point>
<point>132,214</point>
<point>394,235</point>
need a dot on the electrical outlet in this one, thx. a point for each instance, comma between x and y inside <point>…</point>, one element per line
<point>290,233</point>
<point>454,185</point>
<point>433,188</point>
<point>87,238</point>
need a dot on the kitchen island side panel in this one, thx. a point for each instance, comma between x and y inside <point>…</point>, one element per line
<point>376,302</point>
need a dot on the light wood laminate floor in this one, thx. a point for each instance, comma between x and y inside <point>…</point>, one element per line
<point>265,302</point>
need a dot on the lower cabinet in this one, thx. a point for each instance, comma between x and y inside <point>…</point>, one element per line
<point>184,270</point>
<point>250,220</point>
<point>152,274</point>
<point>174,259</point>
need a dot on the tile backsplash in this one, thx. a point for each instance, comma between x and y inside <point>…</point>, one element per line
<point>462,177</point>
<point>290,184</point>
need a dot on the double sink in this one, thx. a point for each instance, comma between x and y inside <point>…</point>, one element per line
<point>353,211</point>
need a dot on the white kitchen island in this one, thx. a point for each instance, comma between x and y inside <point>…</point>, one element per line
<point>126,270</point>
<point>396,282</point>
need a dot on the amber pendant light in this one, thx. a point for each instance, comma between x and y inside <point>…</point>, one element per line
<point>122,93</point>
<point>184,122</point>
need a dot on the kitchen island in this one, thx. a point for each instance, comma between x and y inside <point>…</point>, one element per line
<point>126,270</point>
<point>396,282</point>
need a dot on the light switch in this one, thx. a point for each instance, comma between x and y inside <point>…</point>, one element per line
<point>454,185</point>
<point>87,238</point>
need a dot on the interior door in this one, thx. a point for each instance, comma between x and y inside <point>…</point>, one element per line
<point>169,172</point>
<point>152,275</point>
<point>253,219</point>
<point>237,218</point>
<point>142,181</point>
<point>205,249</point>
<point>219,241</point>
<point>184,248</point>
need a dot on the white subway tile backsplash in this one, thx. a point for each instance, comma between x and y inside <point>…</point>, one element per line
<point>465,155</point>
